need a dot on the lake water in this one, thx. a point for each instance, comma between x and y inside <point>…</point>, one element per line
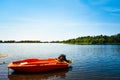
<point>90,62</point>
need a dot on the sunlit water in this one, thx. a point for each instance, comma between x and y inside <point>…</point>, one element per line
<point>90,62</point>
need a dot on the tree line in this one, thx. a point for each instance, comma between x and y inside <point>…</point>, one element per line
<point>100,39</point>
<point>28,41</point>
<point>23,41</point>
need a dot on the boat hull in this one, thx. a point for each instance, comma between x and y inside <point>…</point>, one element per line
<point>37,65</point>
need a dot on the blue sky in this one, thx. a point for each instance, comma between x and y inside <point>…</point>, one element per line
<point>48,20</point>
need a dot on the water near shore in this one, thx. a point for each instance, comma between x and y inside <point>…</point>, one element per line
<point>91,62</point>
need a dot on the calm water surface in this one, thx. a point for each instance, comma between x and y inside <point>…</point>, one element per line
<point>91,62</point>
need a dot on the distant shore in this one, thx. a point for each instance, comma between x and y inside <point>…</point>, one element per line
<point>28,41</point>
<point>99,39</point>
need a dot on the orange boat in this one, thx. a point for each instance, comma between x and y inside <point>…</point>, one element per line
<point>37,65</point>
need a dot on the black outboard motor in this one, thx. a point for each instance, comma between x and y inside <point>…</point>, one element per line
<point>62,58</point>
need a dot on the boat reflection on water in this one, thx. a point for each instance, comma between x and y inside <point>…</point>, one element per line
<point>51,75</point>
